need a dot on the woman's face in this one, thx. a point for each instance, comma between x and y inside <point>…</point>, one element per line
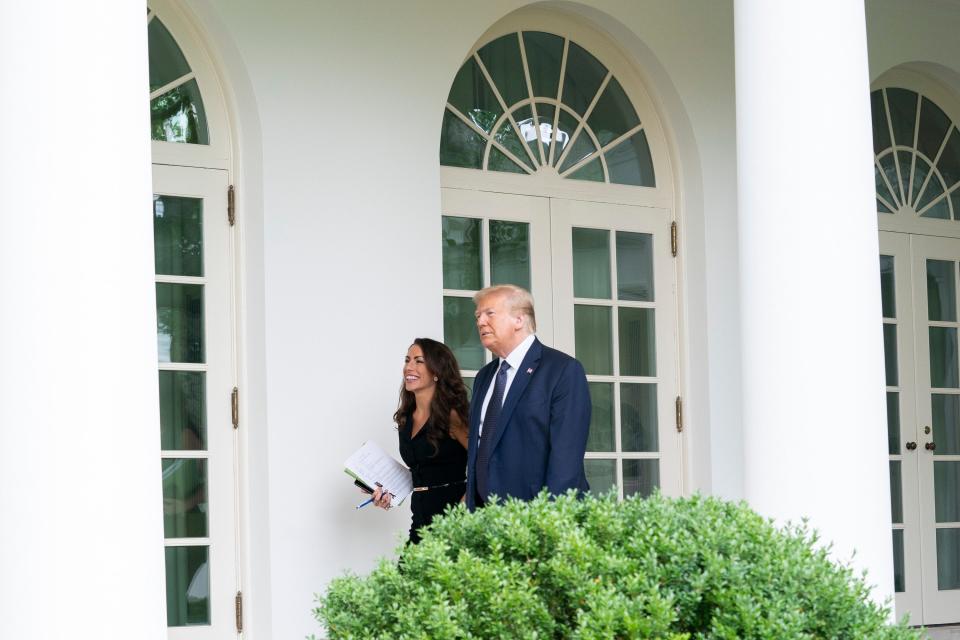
<point>416,375</point>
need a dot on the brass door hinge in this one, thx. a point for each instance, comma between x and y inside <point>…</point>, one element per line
<point>235,407</point>
<point>673,238</point>
<point>231,210</point>
<point>238,607</point>
<point>679,415</point>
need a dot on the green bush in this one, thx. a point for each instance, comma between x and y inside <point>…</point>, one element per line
<point>598,568</point>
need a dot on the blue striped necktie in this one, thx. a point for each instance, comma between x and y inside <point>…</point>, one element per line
<point>489,434</point>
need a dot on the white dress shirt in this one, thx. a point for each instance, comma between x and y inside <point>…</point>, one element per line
<point>514,359</point>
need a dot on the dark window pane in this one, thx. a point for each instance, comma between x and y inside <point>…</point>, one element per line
<point>890,353</point>
<point>180,322</point>
<point>593,338</point>
<point>946,423</point>
<point>949,163</point>
<point>934,125</point>
<point>887,287</point>
<point>498,161</point>
<point>881,134</point>
<point>640,476</point>
<point>601,419</point>
<point>638,352</point>
<point>630,163</point>
<point>544,53</point>
<point>905,159</point>
<point>183,410</point>
<point>582,78</point>
<point>188,586</point>
<point>941,290</point>
<point>943,357</point>
<point>184,498</point>
<point>634,266</point>
<point>591,263</point>
<point>920,171</point>
<point>473,97</point>
<point>948,559</point>
<point>502,60</point>
<point>178,235</point>
<point>460,146</point>
<point>931,193</point>
<point>601,475</point>
<point>528,129</point>
<point>507,137</point>
<point>178,116</point>
<point>566,125</point>
<point>638,417</point>
<point>545,113</point>
<point>613,115</point>
<point>592,171</point>
<point>898,572</point>
<point>893,422</point>
<point>510,253</point>
<point>946,490</point>
<point>166,60</point>
<point>582,147</point>
<point>460,332</point>
<point>890,172</point>
<point>903,115</point>
<point>896,492</point>
<point>462,245</point>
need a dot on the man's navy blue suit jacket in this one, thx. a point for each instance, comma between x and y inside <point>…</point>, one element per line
<point>542,429</point>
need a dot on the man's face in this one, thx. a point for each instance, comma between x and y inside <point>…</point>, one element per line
<point>500,329</point>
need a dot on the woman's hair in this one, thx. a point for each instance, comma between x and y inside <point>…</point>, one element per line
<point>450,393</point>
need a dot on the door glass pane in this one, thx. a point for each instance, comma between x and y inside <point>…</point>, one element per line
<point>943,357</point>
<point>460,332</point>
<point>898,573</point>
<point>890,353</point>
<point>601,419</point>
<point>178,116</point>
<point>468,383</point>
<point>946,490</point>
<point>188,586</point>
<point>593,338</point>
<point>601,475</point>
<point>180,322</point>
<point>896,492</point>
<point>462,241</point>
<point>634,266</point>
<point>946,423</point>
<point>638,417</point>
<point>178,235</point>
<point>183,411</point>
<point>591,263</point>
<point>184,498</point>
<point>948,559</point>
<point>887,291</point>
<point>640,476</point>
<point>941,290</point>
<point>638,355</point>
<point>510,253</point>
<point>893,422</point>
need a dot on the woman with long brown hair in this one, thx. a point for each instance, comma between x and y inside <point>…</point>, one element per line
<point>432,427</point>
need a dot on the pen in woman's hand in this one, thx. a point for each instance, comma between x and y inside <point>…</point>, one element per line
<point>364,503</point>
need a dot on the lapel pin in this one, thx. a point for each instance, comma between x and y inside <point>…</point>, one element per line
<point>530,370</point>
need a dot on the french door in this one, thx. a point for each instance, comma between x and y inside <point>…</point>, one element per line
<point>605,289</point>
<point>919,276</point>
<point>197,457</point>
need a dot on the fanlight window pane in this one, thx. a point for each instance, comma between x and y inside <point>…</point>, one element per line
<point>903,114</point>
<point>881,133</point>
<point>166,60</point>
<point>178,116</point>
<point>934,125</point>
<point>495,80</point>
<point>949,163</point>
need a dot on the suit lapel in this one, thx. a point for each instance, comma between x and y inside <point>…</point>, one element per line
<point>520,381</point>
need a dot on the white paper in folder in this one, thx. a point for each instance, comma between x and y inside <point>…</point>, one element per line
<point>370,464</point>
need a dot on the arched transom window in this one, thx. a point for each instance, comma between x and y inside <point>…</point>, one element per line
<point>917,163</point>
<point>533,102</point>
<point>176,108</point>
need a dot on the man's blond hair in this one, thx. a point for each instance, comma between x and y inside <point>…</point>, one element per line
<point>517,298</point>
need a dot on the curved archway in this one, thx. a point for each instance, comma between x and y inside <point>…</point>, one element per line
<point>557,176</point>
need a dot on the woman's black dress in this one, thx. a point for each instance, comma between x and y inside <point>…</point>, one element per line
<point>443,469</point>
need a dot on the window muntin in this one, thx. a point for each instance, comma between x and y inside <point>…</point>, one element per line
<point>176,107</point>
<point>531,102</point>
<point>917,155</point>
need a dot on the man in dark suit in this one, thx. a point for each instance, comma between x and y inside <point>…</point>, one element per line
<point>530,413</point>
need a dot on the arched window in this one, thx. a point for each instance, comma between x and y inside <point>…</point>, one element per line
<point>917,147</point>
<point>176,107</point>
<point>531,101</point>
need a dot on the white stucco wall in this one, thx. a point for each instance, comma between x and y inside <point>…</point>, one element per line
<point>348,100</point>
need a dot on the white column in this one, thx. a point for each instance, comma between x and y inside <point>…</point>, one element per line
<point>813,404</point>
<point>81,548</point>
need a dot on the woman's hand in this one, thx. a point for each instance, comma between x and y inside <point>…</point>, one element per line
<point>382,497</point>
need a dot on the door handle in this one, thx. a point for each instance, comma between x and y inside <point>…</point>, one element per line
<point>930,446</point>
<point>911,446</point>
